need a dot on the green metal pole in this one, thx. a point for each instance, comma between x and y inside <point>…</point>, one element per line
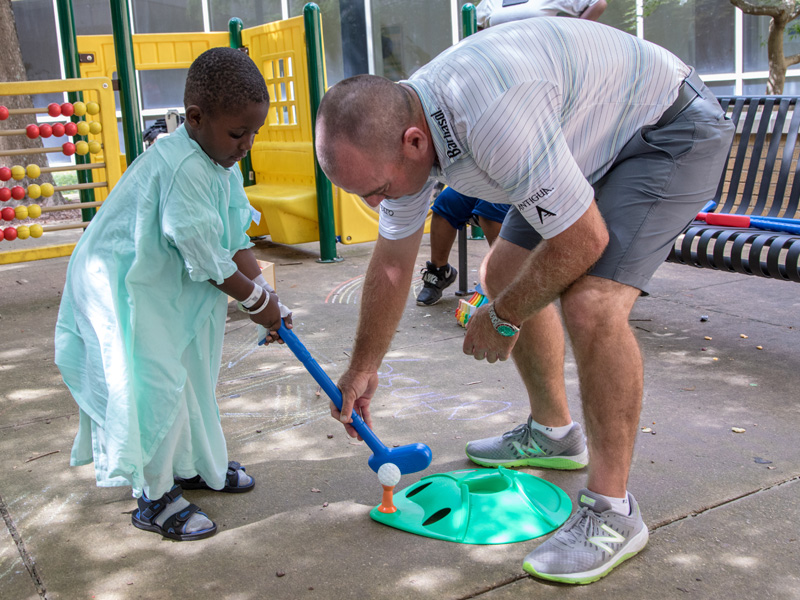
<point>316,84</point>
<point>469,25</point>
<point>69,52</point>
<point>235,26</point>
<point>469,22</point>
<point>126,73</point>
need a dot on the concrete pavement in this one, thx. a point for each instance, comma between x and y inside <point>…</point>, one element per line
<point>721,506</point>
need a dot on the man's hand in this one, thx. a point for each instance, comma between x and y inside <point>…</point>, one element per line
<point>357,388</point>
<point>482,340</point>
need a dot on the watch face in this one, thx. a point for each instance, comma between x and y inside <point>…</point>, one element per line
<point>505,330</point>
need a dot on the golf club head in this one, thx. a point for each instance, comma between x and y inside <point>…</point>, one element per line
<point>410,458</point>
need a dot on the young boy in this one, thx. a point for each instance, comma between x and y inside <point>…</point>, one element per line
<point>139,333</point>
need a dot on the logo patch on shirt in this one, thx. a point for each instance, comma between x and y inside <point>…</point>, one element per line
<point>452,147</point>
<point>533,199</point>
<point>543,212</point>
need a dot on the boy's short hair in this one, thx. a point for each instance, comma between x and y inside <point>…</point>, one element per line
<point>224,79</point>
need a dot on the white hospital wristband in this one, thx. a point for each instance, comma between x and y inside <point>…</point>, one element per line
<point>255,296</point>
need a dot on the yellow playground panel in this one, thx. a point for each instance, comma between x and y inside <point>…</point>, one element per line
<point>94,136</point>
<point>283,153</point>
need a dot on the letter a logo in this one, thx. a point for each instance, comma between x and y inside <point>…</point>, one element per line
<point>543,212</point>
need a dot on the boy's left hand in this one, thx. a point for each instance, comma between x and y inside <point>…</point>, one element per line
<point>268,331</point>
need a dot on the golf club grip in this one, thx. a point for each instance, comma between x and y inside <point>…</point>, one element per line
<point>333,392</point>
<point>744,221</point>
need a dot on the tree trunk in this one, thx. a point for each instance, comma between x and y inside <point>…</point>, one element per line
<point>775,55</point>
<point>12,69</point>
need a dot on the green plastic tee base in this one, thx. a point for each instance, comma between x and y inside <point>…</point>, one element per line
<point>479,506</point>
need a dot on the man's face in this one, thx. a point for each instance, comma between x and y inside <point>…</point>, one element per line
<point>375,178</point>
<point>226,136</point>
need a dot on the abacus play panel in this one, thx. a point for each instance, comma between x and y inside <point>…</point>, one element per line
<point>92,127</point>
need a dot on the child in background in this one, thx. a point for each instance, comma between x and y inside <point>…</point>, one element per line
<point>140,327</point>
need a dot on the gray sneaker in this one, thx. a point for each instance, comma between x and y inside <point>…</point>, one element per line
<point>592,542</point>
<point>526,447</point>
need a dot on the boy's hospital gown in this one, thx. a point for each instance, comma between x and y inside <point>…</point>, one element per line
<point>139,333</point>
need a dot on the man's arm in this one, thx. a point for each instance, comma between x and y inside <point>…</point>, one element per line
<point>550,269</point>
<point>594,11</point>
<point>383,300</point>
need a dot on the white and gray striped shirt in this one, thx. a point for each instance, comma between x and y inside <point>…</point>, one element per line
<point>531,113</point>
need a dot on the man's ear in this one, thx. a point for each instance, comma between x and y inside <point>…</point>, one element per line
<point>194,115</point>
<point>415,142</point>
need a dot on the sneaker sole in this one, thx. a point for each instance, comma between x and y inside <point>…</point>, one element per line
<point>429,303</point>
<point>631,549</point>
<point>561,463</point>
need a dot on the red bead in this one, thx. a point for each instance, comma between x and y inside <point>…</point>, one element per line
<point>45,130</point>
<point>5,194</point>
<point>10,233</point>
<point>8,214</point>
<point>5,173</point>
<point>58,129</point>
<point>17,192</point>
<point>1,235</point>
<point>67,109</point>
<point>68,149</point>
<point>32,131</point>
<point>3,113</point>
<point>54,110</point>
<point>71,128</point>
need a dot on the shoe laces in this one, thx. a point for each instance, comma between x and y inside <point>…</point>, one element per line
<point>584,524</point>
<point>428,275</point>
<point>523,432</point>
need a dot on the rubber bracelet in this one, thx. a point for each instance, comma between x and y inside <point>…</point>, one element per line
<point>255,296</point>
<point>257,310</point>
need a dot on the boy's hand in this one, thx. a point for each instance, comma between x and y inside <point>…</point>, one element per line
<point>270,318</point>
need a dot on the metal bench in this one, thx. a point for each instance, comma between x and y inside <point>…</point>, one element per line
<point>761,180</point>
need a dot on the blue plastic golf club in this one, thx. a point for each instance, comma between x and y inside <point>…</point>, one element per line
<point>410,458</point>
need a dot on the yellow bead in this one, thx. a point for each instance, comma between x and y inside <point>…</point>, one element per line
<point>92,108</point>
<point>83,128</point>
<point>21,212</point>
<point>36,230</point>
<point>80,109</point>
<point>34,191</point>
<point>34,211</point>
<point>33,171</point>
<point>47,190</point>
<point>95,127</point>
<point>81,148</point>
<point>95,147</point>
<point>23,232</point>
<point>18,172</point>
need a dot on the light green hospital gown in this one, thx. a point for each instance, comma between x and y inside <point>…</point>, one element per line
<point>140,327</point>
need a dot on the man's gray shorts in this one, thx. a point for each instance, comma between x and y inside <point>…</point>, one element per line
<point>659,182</point>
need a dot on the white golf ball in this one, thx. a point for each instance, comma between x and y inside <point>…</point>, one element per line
<point>388,474</point>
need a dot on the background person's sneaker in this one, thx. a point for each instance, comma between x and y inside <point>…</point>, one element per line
<point>434,281</point>
<point>524,447</point>
<point>590,544</point>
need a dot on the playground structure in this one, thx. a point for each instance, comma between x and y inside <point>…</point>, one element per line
<point>92,127</point>
<point>296,202</point>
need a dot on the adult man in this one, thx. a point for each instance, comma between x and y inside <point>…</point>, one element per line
<point>607,146</point>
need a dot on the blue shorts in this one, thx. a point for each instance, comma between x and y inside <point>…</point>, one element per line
<point>658,183</point>
<point>459,209</point>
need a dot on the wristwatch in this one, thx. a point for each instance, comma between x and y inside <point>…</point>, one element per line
<point>502,327</point>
